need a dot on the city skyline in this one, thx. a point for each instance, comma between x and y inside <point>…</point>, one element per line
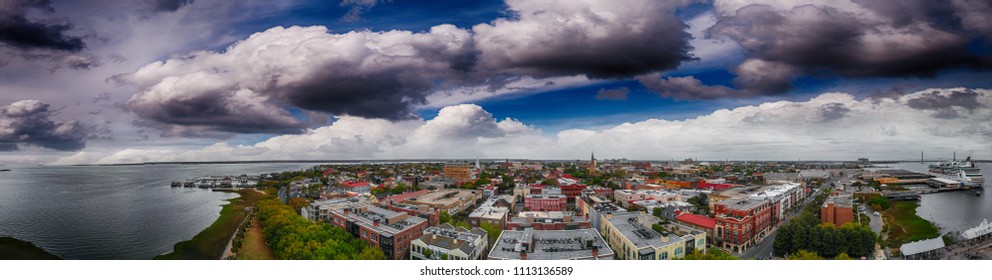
<point>186,81</point>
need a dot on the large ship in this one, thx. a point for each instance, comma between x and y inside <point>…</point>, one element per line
<point>961,171</point>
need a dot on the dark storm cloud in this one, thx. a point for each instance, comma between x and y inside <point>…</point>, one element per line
<point>169,5</point>
<point>203,114</point>
<point>19,32</point>
<point>904,39</point>
<point>28,122</point>
<point>612,94</point>
<point>387,95</point>
<point>967,99</point>
<point>385,77</point>
<point>687,88</point>
<point>564,38</point>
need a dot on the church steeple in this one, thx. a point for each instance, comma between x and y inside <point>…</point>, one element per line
<point>592,163</point>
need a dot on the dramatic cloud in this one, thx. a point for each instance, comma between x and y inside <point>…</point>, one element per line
<point>685,88</point>
<point>832,126</point>
<point>612,94</point>
<point>946,104</point>
<point>851,39</point>
<point>271,80</point>
<point>17,31</point>
<point>599,39</point>
<point>261,79</point>
<point>28,122</point>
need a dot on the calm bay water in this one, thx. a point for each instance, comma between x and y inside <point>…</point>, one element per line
<point>113,212</point>
<point>954,212</point>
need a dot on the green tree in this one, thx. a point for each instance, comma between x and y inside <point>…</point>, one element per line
<point>656,212</point>
<point>298,203</point>
<point>843,256</point>
<point>492,230</point>
<point>804,255</point>
<point>712,254</point>
<point>444,217</point>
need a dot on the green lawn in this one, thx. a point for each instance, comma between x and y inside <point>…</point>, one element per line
<point>209,244</point>
<point>16,249</point>
<point>905,226</point>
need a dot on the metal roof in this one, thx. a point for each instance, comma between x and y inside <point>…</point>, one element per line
<point>921,246</point>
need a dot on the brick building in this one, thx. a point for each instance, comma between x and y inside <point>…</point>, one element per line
<point>459,171</point>
<point>387,230</point>
<point>837,210</point>
<point>741,222</point>
<point>545,202</point>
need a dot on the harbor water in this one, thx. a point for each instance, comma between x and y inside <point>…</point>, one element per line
<point>113,212</point>
<point>953,212</point>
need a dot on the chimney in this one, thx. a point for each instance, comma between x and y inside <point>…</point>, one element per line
<point>523,255</point>
<point>595,252</point>
<point>346,211</point>
<point>375,223</point>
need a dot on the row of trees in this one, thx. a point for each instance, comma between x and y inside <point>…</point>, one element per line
<point>806,235</point>
<point>826,240</point>
<point>293,237</point>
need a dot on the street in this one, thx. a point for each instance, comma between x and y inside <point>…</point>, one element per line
<point>764,249</point>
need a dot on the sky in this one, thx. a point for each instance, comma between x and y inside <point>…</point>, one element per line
<point>105,82</point>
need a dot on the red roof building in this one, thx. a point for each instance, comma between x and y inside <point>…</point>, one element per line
<point>701,222</point>
<point>404,196</point>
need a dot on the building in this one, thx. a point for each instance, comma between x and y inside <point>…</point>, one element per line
<point>928,249</point>
<point>449,200</point>
<point>320,210</point>
<point>555,220</point>
<point>495,210</point>
<point>446,242</point>
<point>432,215</point>
<point>458,171</point>
<point>699,222</point>
<point>390,231</point>
<point>784,198</point>
<point>626,198</point>
<point>837,210</point>
<point>715,185</point>
<point>571,191</point>
<point>593,207</point>
<point>741,222</point>
<point>771,178</point>
<point>530,244</point>
<point>633,236</point>
<point>545,202</point>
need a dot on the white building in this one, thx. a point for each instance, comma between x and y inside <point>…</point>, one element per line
<point>446,242</point>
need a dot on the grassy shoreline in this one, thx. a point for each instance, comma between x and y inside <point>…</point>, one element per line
<point>905,226</point>
<point>16,249</point>
<point>210,243</point>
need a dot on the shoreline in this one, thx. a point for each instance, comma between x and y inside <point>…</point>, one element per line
<point>15,249</point>
<point>210,243</point>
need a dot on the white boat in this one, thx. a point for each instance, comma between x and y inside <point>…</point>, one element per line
<point>964,172</point>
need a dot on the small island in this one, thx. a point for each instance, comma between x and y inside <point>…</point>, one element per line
<point>16,249</point>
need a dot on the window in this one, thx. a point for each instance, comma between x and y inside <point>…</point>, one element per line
<point>678,251</point>
<point>664,255</point>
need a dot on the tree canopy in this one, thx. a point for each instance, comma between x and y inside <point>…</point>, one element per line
<point>293,237</point>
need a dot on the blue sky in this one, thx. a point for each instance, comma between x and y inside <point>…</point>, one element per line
<point>219,80</point>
